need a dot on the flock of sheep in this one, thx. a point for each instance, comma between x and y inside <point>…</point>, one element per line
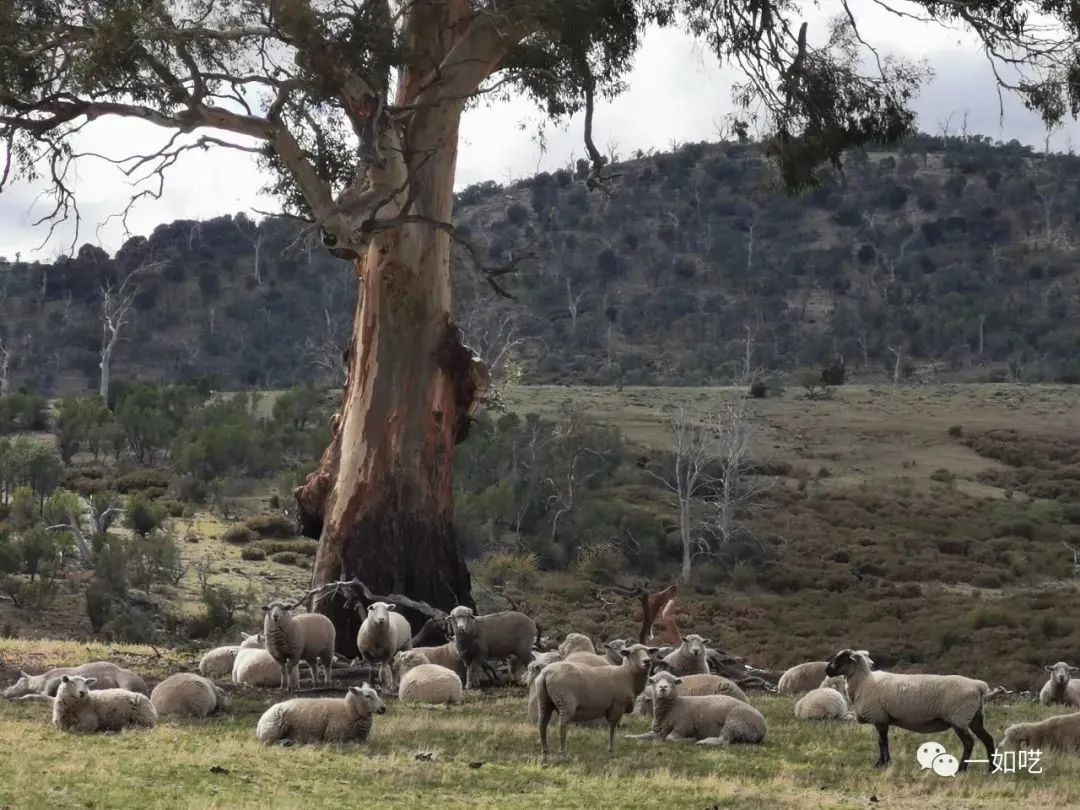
<point>573,682</point>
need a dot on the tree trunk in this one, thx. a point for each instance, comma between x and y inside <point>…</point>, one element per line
<point>684,521</point>
<point>105,366</point>
<point>381,501</point>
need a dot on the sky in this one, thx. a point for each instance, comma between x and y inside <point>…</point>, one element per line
<point>676,93</point>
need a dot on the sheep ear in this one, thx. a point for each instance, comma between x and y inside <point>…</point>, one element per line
<point>89,681</point>
<point>23,674</point>
<point>652,679</point>
<point>391,607</point>
<point>624,653</point>
<point>65,679</point>
<point>265,608</point>
<point>652,650</point>
<point>677,681</point>
<point>1049,668</point>
<point>245,636</point>
<point>706,641</point>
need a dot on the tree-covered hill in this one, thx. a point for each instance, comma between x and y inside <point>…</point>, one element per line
<point>955,255</point>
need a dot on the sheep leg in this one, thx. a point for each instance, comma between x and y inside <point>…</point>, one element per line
<point>546,710</point>
<point>612,726</point>
<point>968,741</point>
<point>883,745</point>
<point>648,735</point>
<point>712,741</point>
<point>676,737</point>
<point>564,726</point>
<point>978,726</point>
<point>284,683</point>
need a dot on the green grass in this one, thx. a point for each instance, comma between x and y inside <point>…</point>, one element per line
<point>482,754</point>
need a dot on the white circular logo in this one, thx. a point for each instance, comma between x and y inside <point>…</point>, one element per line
<point>946,765</point>
<point>926,753</point>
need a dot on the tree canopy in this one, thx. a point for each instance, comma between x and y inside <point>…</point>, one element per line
<point>305,85</point>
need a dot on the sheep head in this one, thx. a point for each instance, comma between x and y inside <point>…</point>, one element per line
<point>838,682</point>
<point>75,685</point>
<point>408,659</point>
<point>639,656</point>
<point>695,645</point>
<point>276,613</point>
<point>462,620</point>
<point>663,684</point>
<point>379,613</point>
<point>20,687</point>
<point>1061,673</point>
<point>251,641</point>
<point>846,662</point>
<point>364,699</point>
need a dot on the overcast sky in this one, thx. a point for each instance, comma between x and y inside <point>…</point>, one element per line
<point>676,94</point>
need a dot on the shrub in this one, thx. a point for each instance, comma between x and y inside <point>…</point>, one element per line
<point>1015,528</point>
<point>131,627</point>
<point>944,476</point>
<point>301,548</point>
<point>252,554</point>
<point>173,508</point>
<point>111,565</point>
<point>155,559</point>
<point>143,479</point>
<point>98,606</point>
<point>956,431</point>
<point>835,373</point>
<point>506,569</point>
<point>743,576</point>
<point>759,389</point>
<point>285,558</point>
<point>239,536</point>
<point>222,604</point>
<point>271,525</point>
<point>143,515</point>
<point>1072,513</point>
<point>992,616</point>
<point>599,562</point>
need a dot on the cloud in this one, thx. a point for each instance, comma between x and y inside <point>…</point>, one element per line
<point>676,93</point>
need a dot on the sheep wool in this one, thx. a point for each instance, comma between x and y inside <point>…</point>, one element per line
<point>219,661</point>
<point>383,633</point>
<point>824,703</point>
<point>689,657</point>
<point>708,719</point>
<point>104,675</point>
<point>801,678</point>
<point>576,642</point>
<point>1060,733</point>
<point>322,720</point>
<point>424,682</point>
<point>78,709</point>
<point>188,695</point>
<point>500,635</point>
<point>694,686</point>
<point>1061,687</point>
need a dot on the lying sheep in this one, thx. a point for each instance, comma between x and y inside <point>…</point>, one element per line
<point>308,637</point>
<point>580,693</point>
<point>708,719</point>
<point>1060,733</point>
<point>382,635</point>
<point>689,657</point>
<point>219,661</point>
<point>105,675</point>
<point>188,695</point>
<point>424,682</point>
<point>576,642</point>
<point>1060,688</point>
<point>497,635</point>
<point>319,720</point>
<point>254,666</point>
<point>801,678</point>
<point>827,702</point>
<point>76,708</point>
<point>445,655</point>
<point>694,686</point>
<point>920,703</point>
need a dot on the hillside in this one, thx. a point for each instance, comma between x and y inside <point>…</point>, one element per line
<point>952,258</point>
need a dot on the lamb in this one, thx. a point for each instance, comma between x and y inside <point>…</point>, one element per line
<point>1061,688</point>
<point>254,666</point>
<point>382,635</point>
<point>309,637</point>
<point>576,642</point>
<point>424,682</point>
<point>689,657</point>
<point>445,655</point>
<point>105,675</point>
<point>318,720</point>
<point>708,719</point>
<point>827,702</point>
<point>77,709</point>
<point>613,649</point>
<point>920,703</point>
<point>218,661</point>
<point>497,635</point>
<point>801,678</point>
<point>1058,733</point>
<point>694,686</point>
<point>189,695</point>
<point>579,693</point>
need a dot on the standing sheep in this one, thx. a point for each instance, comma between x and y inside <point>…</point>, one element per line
<point>105,675</point>
<point>318,720</point>
<point>922,703</point>
<point>613,649</point>
<point>1060,688</point>
<point>689,657</point>
<point>580,694</point>
<point>254,666</point>
<point>827,702</point>
<point>576,642</point>
<point>309,637</point>
<point>707,719</point>
<point>189,695</point>
<point>424,682</point>
<point>382,635</point>
<point>76,708</point>
<point>694,686</point>
<point>801,678</point>
<point>1060,733</point>
<point>218,661</point>
<point>497,635</point>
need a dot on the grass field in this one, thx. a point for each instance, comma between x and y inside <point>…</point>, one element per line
<point>480,755</point>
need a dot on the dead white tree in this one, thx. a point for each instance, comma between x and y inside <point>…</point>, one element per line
<point>1076,559</point>
<point>572,304</point>
<point>898,354</point>
<point>116,303</point>
<point>255,239</point>
<point>735,491</point>
<point>5,361</point>
<point>492,330</point>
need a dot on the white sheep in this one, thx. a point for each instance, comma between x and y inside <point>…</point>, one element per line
<point>219,661</point>
<point>689,657</point>
<point>801,678</point>
<point>1060,733</point>
<point>580,693</point>
<point>383,633</point>
<point>576,642</point>
<point>445,655</point>
<point>319,720</point>
<point>694,686</point>
<point>613,649</point>
<point>308,637</point>
<point>827,702</point>
<point>76,708</point>
<point>188,695</point>
<point>1061,688</point>
<point>922,703</point>
<point>479,639</point>
<point>105,675</point>
<point>424,682</point>
<point>706,719</point>
<point>254,666</point>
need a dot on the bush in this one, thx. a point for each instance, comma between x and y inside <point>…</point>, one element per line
<point>222,605</point>
<point>285,557</point>
<point>505,569</point>
<point>943,476</point>
<point>956,431</point>
<point>143,479</point>
<point>131,627</point>
<point>173,508</point>
<point>239,536</point>
<point>111,565</point>
<point>835,373</point>
<point>599,562</point>
<point>271,525</point>
<point>155,559</point>
<point>743,576</point>
<point>143,516</point>
<point>301,548</point>
<point>98,606</point>
<point>1015,528</point>
<point>252,554</point>
<point>759,389</point>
